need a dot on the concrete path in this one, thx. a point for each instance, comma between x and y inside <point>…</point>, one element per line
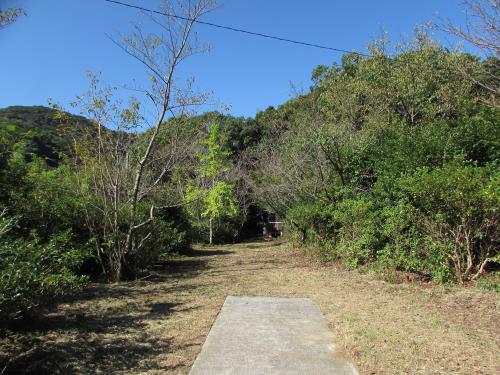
<point>257,335</point>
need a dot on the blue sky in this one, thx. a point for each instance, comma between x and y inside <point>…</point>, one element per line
<point>47,53</point>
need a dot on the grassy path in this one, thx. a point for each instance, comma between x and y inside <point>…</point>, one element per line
<point>158,324</point>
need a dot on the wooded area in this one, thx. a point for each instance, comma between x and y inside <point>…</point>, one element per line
<point>390,162</point>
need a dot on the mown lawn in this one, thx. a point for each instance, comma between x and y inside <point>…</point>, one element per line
<point>158,324</point>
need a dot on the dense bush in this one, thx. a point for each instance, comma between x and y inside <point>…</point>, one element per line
<point>405,245</point>
<point>172,235</point>
<point>48,201</point>
<point>33,273</point>
<point>444,225</point>
<point>359,231</point>
<point>458,207</point>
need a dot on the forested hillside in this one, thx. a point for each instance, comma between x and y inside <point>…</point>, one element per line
<point>50,132</point>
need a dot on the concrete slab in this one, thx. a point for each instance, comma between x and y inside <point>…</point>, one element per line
<point>260,335</point>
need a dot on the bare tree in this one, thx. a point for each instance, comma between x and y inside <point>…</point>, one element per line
<point>124,169</point>
<point>481,29</point>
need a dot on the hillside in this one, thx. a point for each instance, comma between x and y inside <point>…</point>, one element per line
<point>52,132</point>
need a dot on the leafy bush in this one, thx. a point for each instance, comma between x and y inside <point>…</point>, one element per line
<point>359,236</point>
<point>478,138</point>
<point>33,273</point>
<point>407,246</point>
<point>311,222</point>
<point>170,234</point>
<point>444,225</point>
<point>48,200</point>
<point>346,230</point>
<point>459,211</point>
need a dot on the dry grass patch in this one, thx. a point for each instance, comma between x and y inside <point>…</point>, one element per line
<point>158,324</point>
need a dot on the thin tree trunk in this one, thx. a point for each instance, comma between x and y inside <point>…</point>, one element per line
<point>211,232</point>
<point>118,275</point>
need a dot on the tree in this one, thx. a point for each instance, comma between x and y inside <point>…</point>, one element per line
<point>215,192</point>
<point>482,29</point>
<point>121,168</point>
<point>9,16</point>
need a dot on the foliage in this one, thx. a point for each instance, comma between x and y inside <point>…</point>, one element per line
<point>41,258</point>
<point>48,200</point>
<point>172,237</point>
<point>211,196</point>
<point>482,30</point>
<point>390,161</point>
<point>33,273</point>
<point>9,16</point>
<point>51,132</point>
<point>358,233</point>
<point>459,209</point>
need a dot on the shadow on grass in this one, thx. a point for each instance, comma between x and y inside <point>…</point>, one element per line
<point>189,265</point>
<point>206,253</point>
<point>262,244</point>
<point>133,289</point>
<point>85,344</point>
<point>106,339</point>
<point>181,268</point>
<point>82,356</point>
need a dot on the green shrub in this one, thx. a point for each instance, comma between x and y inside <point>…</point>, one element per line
<point>458,207</point>
<point>358,236</point>
<point>408,247</point>
<point>311,222</point>
<point>170,235</point>
<point>491,282</point>
<point>478,137</point>
<point>32,273</point>
<point>404,240</point>
<point>346,230</point>
<point>48,200</point>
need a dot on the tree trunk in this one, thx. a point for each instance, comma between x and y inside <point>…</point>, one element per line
<point>211,232</point>
<point>117,270</point>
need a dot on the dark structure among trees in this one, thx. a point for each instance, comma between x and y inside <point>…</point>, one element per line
<point>271,227</point>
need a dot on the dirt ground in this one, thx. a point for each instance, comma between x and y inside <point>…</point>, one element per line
<point>157,325</point>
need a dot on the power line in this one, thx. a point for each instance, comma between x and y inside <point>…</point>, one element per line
<point>235,29</point>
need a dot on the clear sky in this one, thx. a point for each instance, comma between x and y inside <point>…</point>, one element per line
<point>47,53</point>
